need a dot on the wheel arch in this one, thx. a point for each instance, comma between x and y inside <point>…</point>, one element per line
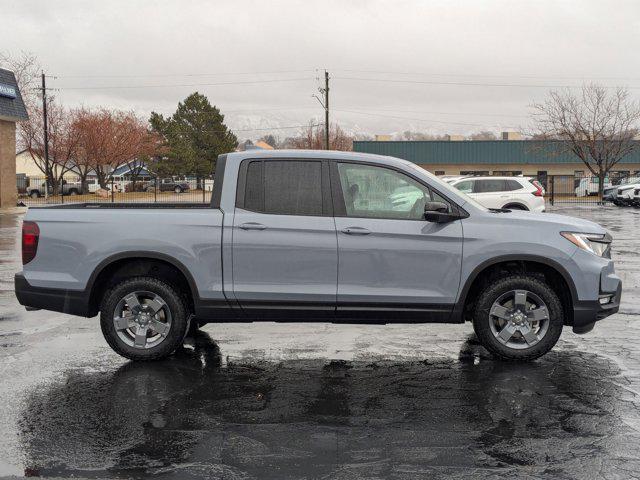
<point>517,205</point>
<point>124,265</point>
<point>554,274</point>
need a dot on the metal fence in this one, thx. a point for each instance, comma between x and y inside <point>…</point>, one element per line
<point>583,189</point>
<point>559,189</point>
<point>72,189</point>
<point>574,189</point>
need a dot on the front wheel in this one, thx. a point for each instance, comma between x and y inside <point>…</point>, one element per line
<point>518,318</point>
<point>143,318</point>
<point>177,190</point>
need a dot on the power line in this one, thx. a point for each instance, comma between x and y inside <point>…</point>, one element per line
<point>472,75</point>
<point>174,75</point>
<point>276,128</point>
<point>464,84</point>
<point>248,82</point>
<point>422,119</point>
<point>439,113</point>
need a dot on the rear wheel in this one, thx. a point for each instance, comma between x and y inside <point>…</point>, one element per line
<point>518,318</point>
<point>143,318</point>
<point>34,194</point>
<point>177,190</point>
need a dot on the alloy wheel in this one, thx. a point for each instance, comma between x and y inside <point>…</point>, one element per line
<point>142,319</point>
<point>519,319</point>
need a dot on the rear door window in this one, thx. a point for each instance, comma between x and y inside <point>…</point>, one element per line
<point>284,187</point>
<point>489,186</point>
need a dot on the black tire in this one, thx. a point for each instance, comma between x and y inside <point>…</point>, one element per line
<point>177,190</point>
<point>194,327</point>
<point>34,194</point>
<point>481,317</point>
<point>175,303</point>
<point>73,191</point>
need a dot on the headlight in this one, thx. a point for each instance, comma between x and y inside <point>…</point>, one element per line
<point>591,242</point>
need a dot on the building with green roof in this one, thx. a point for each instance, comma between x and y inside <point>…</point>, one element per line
<point>492,157</point>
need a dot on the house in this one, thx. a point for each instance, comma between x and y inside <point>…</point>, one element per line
<point>27,167</point>
<point>123,172</point>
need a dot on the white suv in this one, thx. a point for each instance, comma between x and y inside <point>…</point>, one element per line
<point>635,201</point>
<point>625,194</point>
<point>513,193</point>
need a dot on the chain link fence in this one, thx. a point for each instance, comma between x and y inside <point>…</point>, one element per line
<point>559,189</point>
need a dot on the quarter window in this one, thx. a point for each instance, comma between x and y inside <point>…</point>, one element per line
<point>511,185</point>
<point>377,192</point>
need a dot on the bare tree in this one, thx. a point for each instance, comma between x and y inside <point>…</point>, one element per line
<point>63,142</point>
<point>483,135</point>
<point>109,139</point>
<point>312,137</point>
<point>26,68</point>
<point>597,125</point>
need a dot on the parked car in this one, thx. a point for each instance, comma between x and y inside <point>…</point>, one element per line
<point>168,185</point>
<point>92,185</point>
<point>625,195</point>
<point>140,186</point>
<point>589,186</point>
<point>512,193</point>
<point>611,192</point>
<point>67,188</point>
<point>314,236</point>
<point>636,197</point>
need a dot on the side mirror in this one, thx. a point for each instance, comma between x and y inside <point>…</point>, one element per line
<point>438,212</point>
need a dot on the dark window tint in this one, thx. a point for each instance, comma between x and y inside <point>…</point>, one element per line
<point>254,189</point>
<point>486,186</point>
<point>292,187</point>
<point>511,185</point>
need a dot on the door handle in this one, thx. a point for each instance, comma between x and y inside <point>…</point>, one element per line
<point>355,231</point>
<point>252,226</point>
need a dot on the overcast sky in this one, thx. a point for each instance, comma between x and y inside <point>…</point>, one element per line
<point>435,66</point>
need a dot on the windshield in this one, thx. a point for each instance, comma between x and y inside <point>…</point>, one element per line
<point>445,188</point>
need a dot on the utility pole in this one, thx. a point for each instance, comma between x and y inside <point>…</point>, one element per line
<point>46,136</point>
<point>325,104</point>
<point>326,110</point>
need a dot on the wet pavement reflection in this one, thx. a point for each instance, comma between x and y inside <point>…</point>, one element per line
<point>191,417</point>
<point>318,401</point>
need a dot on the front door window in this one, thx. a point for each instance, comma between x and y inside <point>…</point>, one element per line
<point>376,192</point>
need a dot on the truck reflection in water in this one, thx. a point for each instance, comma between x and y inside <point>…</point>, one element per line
<point>195,416</point>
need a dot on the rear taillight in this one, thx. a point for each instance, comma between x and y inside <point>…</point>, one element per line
<point>30,236</point>
<point>539,190</point>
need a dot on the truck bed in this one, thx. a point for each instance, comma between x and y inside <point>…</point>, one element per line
<point>76,240</point>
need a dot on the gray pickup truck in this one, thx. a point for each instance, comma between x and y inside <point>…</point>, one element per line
<point>318,236</point>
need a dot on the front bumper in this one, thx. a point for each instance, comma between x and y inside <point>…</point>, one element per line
<point>587,313</point>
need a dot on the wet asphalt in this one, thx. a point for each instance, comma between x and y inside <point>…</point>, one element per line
<point>320,401</point>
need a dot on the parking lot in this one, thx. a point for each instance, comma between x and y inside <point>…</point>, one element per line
<point>285,401</point>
